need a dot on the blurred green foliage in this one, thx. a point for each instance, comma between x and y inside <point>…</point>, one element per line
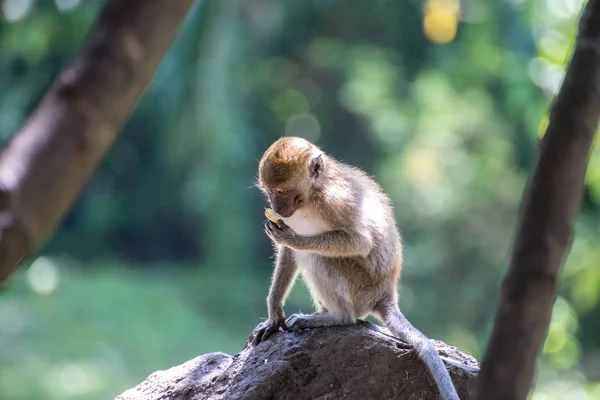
<point>163,257</point>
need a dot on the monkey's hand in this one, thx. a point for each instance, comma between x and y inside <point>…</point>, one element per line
<point>336,243</point>
<point>268,328</point>
<point>280,233</point>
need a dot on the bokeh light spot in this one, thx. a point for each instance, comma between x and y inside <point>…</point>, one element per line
<point>288,103</point>
<point>303,125</point>
<point>75,380</point>
<point>15,10</point>
<point>66,5</point>
<point>42,276</point>
<point>440,21</point>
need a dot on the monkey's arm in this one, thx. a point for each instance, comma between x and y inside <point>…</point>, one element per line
<point>335,243</point>
<point>284,275</point>
<point>283,278</point>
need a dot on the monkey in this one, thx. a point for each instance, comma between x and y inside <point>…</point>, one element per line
<point>338,231</point>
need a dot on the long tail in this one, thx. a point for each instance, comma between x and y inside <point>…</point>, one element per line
<point>403,329</point>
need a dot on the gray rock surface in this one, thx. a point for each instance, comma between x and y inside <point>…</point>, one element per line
<point>354,362</point>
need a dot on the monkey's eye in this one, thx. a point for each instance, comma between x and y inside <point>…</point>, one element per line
<point>279,191</point>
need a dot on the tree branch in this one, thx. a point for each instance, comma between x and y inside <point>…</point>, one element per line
<point>550,207</point>
<point>48,161</point>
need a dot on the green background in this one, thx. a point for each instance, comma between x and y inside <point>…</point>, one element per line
<point>163,256</point>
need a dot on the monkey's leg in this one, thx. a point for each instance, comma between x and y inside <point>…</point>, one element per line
<point>392,317</point>
<point>320,306</point>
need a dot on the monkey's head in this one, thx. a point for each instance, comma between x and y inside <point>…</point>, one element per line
<point>288,172</point>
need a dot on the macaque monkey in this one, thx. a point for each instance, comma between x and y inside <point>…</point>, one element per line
<point>338,230</point>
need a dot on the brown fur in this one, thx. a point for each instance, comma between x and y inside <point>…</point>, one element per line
<point>338,232</point>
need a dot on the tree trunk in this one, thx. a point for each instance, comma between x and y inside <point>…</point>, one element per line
<point>551,203</point>
<point>48,161</point>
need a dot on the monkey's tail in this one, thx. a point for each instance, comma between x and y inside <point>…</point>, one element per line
<point>403,329</point>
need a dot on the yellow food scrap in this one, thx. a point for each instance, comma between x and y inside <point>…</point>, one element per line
<point>272,215</point>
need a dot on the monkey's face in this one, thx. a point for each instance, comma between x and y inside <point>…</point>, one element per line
<point>288,172</point>
<point>284,202</point>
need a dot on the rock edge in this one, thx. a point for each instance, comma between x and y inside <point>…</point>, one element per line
<point>362,362</point>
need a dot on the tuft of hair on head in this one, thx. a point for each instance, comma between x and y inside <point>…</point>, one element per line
<point>284,159</point>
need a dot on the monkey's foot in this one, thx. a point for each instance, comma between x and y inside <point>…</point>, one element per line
<point>267,329</point>
<point>297,322</point>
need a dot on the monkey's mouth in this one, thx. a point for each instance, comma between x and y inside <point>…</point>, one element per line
<point>289,208</point>
<point>287,213</point>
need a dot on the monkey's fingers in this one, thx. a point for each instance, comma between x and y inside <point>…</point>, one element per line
<point>283,325</point>
<point>258,337</point>
<point>271,228</point>
<point>259,334</point>
<point>281,225</point>
<point>268,329</point>
<point>267,333</point>
<point>264,333</point>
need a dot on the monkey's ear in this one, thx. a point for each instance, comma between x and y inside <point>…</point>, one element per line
<point>316,166</point>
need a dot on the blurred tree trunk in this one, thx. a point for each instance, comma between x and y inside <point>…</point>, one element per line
<point>544,236</point>
<point>48,161</point>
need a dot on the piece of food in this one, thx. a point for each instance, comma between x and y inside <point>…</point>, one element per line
<point>272,215</point>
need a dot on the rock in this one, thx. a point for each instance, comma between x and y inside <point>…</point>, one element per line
<point>362,362</point>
